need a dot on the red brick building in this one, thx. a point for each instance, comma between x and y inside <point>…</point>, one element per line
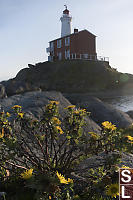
<point>77,45</point>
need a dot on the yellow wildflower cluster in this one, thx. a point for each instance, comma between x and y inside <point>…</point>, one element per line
<point>20,114</point>
<point>56,120</point>
<point>113,190</point>
<point>59,129</point>
<point>130,138</point>
<point>109,126</point>
<point>63,180</point>
<point>27,174</point>
<point>16,106</point>
<point>50,105</point>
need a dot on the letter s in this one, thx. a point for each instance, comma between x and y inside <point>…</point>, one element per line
<point>126,175</point>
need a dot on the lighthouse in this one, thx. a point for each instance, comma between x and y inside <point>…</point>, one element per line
<point>72,45</point>
<point>65,23</point>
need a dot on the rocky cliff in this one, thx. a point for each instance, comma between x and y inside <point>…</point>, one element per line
<point>68,77</point>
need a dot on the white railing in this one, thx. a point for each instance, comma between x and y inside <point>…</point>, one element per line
<point>88,57</point>
<point>101,58</point>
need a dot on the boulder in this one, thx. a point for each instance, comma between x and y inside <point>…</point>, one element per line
<point>99,160</point>
<point>130,113</point>
<point>18,87</point>
<point>101,111</point>
<point>34,102</point>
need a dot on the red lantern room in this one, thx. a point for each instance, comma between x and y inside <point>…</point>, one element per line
<point>66,11</point>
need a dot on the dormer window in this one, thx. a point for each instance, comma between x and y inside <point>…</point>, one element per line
<point>58,43</point>
<point>67,41</point>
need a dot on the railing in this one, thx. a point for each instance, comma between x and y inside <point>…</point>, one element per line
<point>80,57</point>
<point>49,49</point>
<point>100,58</point>
<point>88,57</point>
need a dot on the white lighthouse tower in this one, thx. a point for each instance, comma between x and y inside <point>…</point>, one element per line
<point>65,23</point>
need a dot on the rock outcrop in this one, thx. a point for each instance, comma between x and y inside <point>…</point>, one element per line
<point>130,113</point>
<point>72,76</point>
<point>34,102</point>
<point>101,111</point>
<point>99,160</point>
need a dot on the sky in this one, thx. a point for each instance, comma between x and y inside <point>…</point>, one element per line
<point>26,27</point>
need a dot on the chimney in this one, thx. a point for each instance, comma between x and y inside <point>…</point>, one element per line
<point>75,30</point>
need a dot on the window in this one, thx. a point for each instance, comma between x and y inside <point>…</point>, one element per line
<point>74,56</point>
<point>67,54</point>
<point>67,41</point>
<point>58,43</point>
<point>51,45</point>
<point>85,56</point>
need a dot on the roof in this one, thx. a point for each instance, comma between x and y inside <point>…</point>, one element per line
<point>73,34</point>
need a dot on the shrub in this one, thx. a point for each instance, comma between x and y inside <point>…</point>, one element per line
<point>38,156</point>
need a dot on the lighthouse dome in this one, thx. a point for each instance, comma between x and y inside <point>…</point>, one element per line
<point>66,11</point>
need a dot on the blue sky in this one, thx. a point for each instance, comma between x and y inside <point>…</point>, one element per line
<point>26,27</point>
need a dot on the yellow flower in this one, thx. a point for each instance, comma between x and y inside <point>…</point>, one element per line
<point>50,197</point>
<point>130,138</point>
<point>54,102</point>
<point>21,115</point>
<point>83,110</point>
<point>70,107</point>
<point>70,180</point>
<point>49,107</point>
<point>113,190</point>
<point>76,112</point>
<point>63,180</point>
<point>59,129</point>
<point>8,114</point>
<point>2,133</point>
<point>16,106</point>
<point>109,125</point>
<point>123,166</point>
<point>27,174</point>
<point>5,123</point>
<point>56,120</point>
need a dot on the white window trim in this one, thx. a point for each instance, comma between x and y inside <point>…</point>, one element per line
<point>67,41</point>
